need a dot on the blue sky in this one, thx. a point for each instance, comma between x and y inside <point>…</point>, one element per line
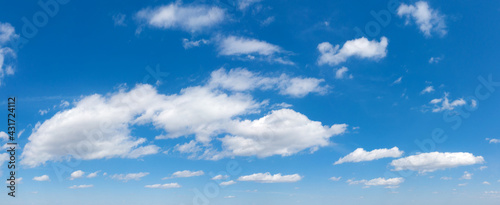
<point>252,101</point>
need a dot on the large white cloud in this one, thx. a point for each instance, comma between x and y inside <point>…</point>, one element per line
<point>99,126</point>
<point>432,161</point>
<point>360,48</point>
<point>389,183</point>
<point>191,18</point>
<point>360,155</point>
<point>269,178</point>
<point>241,79</point>
<point>428,20</point>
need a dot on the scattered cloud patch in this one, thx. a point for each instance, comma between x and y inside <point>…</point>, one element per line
<point>360,48</point>
<point>83,186</point>
<point>432,161</point>
<point>251,49</point>
<point>335,178</point>
<point>231,182</point>
<point>434,60</point>
<point>428,89</point>
<point>93,174</point>
<point>466,175</point>
<point>119,19</point>
<point>77,174</point>
<point>243,4</point>
<point>7,54</point>
<point>268,178</point>
<point>185,174</point>
<point>187,44</point>
<point>163,186</point>
<point>42,178</point>
<point>361,155</point>
<point>389,183</point>
<point>341,73</point>
<point>191,18</point>
<point>486,183</point>
<point>397,81</point>
<point>442,104</point>
<point>130,176</point>
<point>493,140</point>
<point>427,19</point>
<point>220,177</point>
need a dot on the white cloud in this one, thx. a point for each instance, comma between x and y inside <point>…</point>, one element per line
<point>185,174</point>
<point>486,183</point>
<point>187,44</point>
<point>268,178</point>
<point>427,19</point>
<point>360,155</point>
<point>18,180</point>
<point>483,168</point>
<point>77,174</point>
<point>241,79</point>
<point>282,132</point>
<point>7,33</point>
<point>361,48</point>
<point>93,174</point>
<point>341,73</point>
<point>432,161</point>
<point>243,4</point>
<point>397,81</point>
<point>83,186</point>
<point>466,175</point>
<point>163,186</point>
<point>445,178</point>
<point>464,184</point>
<point>389,183</point>
<point>42,178</point>
<point>335,178</point>
<point>231,182</point>
<point>220,177</point>
<point>248,48</point>
<point>130,176</point>
<point>229,197</point>
<point>4,136</point>
<point>190,18</point>
<point>441,104</point>
<point>428,89</point>
<point>493,140</point>
<point>99,126</point>
<point>434,60</point>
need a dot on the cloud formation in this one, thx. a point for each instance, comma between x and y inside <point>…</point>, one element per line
<point>360,155</point>
<point>185,174</point>
<point>163,186</point>
<point>432,161</point>
<point>268,178</point>
<point>389,183</point>
<point>360,48</point>
<point>251,49</point>
<point>427,19</point>
<point>42,178</point>
<point>190,18</point>
<point>129,176</point>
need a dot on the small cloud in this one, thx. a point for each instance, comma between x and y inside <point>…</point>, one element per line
<point>428,89</point>
<point>231,182</point>
<point>220,177</point>
<point>466,175</point>
<point>341,73</point>
<point>335,178</point>
<point>486,183</point>
<point>130,176</point>
<point>185,174</point>
<point>83,186</point>
<point>93,174</point>
<point>494,141</point>
<point>77,174</point>
<point>446,178</point>
<point>483,168</point>
<point>434,60</point>
<point>229,197</point>
<point>187,44</point>
<point>397,81</point>
<point>42,178</point>
<point>163,186</point>
<point>464,184</point>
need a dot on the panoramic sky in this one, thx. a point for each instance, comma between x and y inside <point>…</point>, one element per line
<point>251,102</point>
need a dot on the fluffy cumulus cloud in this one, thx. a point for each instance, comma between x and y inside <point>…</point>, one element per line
<point>42,178</point>
<point>341,73</point>
<point>163,186</point>
<point>77,174</point>
<point>428,89</point>
<point>129,176</point>
<point>98,126</point>
<point>269,178</point>
<point>220,177</point>
<point>360,155</point>
<point>360,48</point>
<point>427,19</point>
<point>251,49</point>
<point>388,183</point>
<point>241,79</point>
<point>191,18</point>
<point>442,104</point>
<point>185,174</point>
<point>282,132</point>
<point>429,162</point>
<point>7,54</point>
